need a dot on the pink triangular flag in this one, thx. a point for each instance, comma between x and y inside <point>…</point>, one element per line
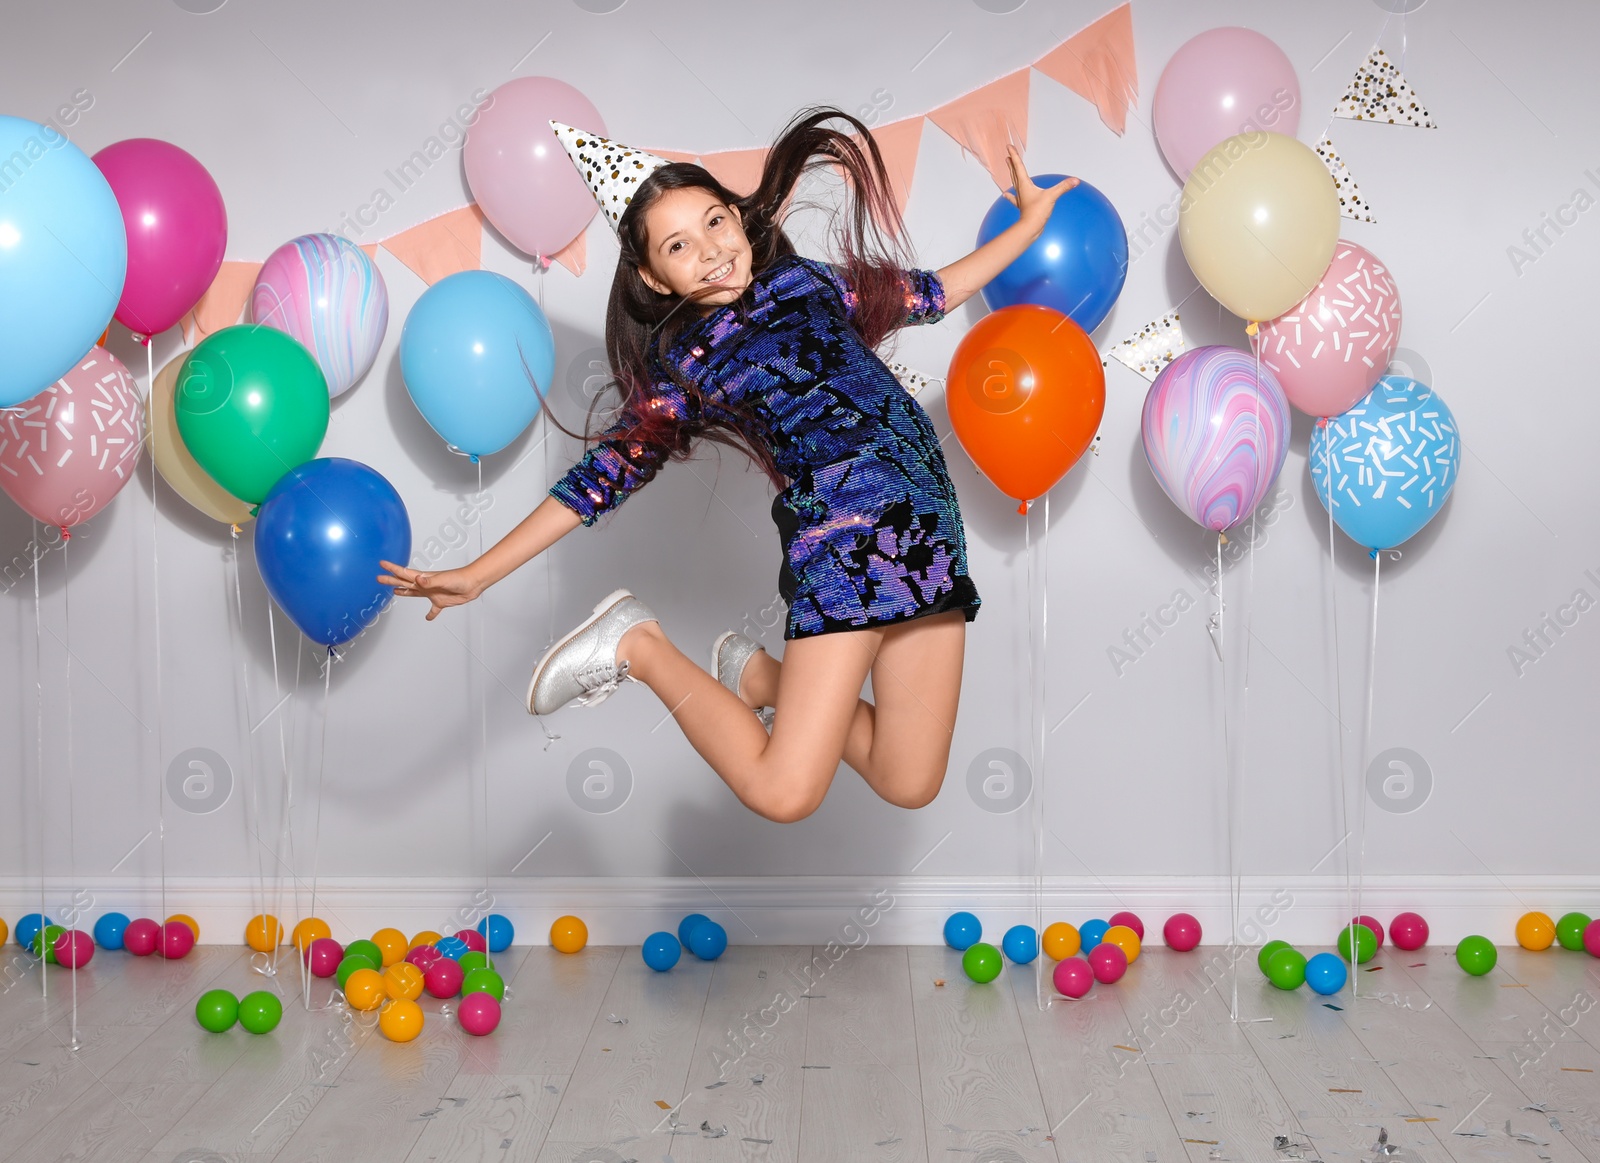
<point>987,119</point>
<point>441,246</point>
<point>1098,63</point>
<point>371,250</point>
<point>222,303</point>
<point>898,142</point>
<point>673,155</point>
<point>575,255</point>
<point>737,169</point>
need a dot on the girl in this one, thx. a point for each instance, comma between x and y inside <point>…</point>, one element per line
<point>716,328</point>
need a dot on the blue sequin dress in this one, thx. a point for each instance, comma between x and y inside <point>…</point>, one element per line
<point>870,525</point>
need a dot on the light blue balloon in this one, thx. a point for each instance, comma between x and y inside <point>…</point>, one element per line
<point>462,353</point>
<point>1325,973</point>
<point>63,257</point>
<point>1391,462</point>
<point>1021,944</point>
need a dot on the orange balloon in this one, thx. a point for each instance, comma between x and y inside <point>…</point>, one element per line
<point>264,933</point>
<point>400,1021</point>
<point>569,934</point>
<point>365,989</point>
<point>392,944</point>
<point>309,930</point>
<point>402,981</point>
<point>1025,393</point>
<point>426,937</point>
<point>1125,939</point>
<point>1061,941</point>
<point>194,925</point>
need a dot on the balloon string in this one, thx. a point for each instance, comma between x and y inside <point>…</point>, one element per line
<point>252,826</point>
<point>1039,779</point>
<point>1228,793</point>
<point>1033,690</point>
<point>1338,690</point>
<point>316,835</point>
<point>38,687</point>
<point>155,584</point>
<point>1366,743</point>
<point>72,855</point>
<point>483,718</point>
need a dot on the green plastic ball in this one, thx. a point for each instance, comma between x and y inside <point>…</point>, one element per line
<point>1266,953</point>
<point>1569,931</point>
<point>367,949</point>
<point>484,980</point>
<point>1286,968</point>
<point>260,1012</point>
<point>982,962</point>
<point>351,963</point>
<point>473,959</point>
<point>1366,943</point>
<point>44,943</point>
<point>217,1010</point>
<point>1477,955</point>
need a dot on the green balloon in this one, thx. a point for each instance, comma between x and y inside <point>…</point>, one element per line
<point>251,404</point>
<point>1366,943</point>
<point>484,980</point>
<point>472,959</point>
<point>260,1012</point>
<point>351,963</point>
<point>1477,955</point>
<point>982,962</point>
<point>1266,953</point>
<point>1569,931</point>
<point>1286,968</point>
<point>217,1010</point>
<point>367,949</point>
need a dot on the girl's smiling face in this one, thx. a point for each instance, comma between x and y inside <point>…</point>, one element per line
<point>696,245</point>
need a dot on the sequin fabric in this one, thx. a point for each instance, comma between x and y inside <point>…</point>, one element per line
<point>870,525</point>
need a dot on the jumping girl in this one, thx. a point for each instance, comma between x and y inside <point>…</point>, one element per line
<point>716,328</point>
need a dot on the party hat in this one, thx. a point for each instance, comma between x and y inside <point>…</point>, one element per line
<point>613,170</point>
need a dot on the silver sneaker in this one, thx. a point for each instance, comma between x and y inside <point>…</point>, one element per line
<point>729,654</point>
<point>583,665</point>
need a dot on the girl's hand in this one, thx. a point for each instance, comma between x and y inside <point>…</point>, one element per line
<point>453,587</point>
<point>1033,203</point>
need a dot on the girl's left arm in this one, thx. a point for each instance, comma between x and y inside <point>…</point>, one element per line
<point>967,276</point>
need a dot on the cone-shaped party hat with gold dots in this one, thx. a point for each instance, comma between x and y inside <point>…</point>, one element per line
<point>612,170</point>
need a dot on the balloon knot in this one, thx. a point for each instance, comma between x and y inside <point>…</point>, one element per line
<point>1023,508</point>
<point>473,457</point>
<point>254,509</point>
<point>1372,554</point>
<point>235,529</point>
<point>1222,537</point>
<point>66,534</point>
<point>1251,328</point>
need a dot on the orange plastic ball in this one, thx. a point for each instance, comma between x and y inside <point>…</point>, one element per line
<point>400,1021</point>
<point>365,990</point>
<point>194,925</point>
<point>309,930</point>
<point>569,934</point>
<point>1536,931</point>
<point>402,981</point>
<point>392,944</point>
<point>1124,938</point>
<point>426,937</point>
<point>1061,941</point>
<point>264,933</point>
<point>5,931</point>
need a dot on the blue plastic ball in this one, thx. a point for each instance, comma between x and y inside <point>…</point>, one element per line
<point>1091,933</point>
<point>28,928</point>
<point>1021,944</point>
<point>497,932</point>
<point>962,930</point>
<point>108,930</point>
<point>451,947</point>
<point>707,940</point>
<point>686,926</point>
<point>661,951</point>
<point>1326,973</point>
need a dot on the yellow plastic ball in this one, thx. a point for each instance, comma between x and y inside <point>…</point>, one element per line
<point>264,933</point>
<point>1061,941</point>
<point>1536,931</point>
<point>194,925</point>
<point>1125,939</point>
<point>402,981</point>
<point>569,934</point>
<point>309,930</point>
<point>392,944</point>
<point>400,1021</point>
<point>365,989</point>
<point>426,937</point>
<point>5,932</point>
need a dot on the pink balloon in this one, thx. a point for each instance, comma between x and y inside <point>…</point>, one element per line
<point>177,939</point>
<point>1073,977</point>
<point>1336,343</point>
<point>1108,961</point>
<point>1375,925</point>
<point>479,1013</point>
<point>1408,931</point>
<point>323,956</point>
<point>140,937</point>
<point>74,948</point>
<point>474,940</point>
<point>520,174</point>
<point>1182,932</point>
<point>1222,83</point>
<point>177,230</point>
<point>1131,920</point>
<point>67,451</point>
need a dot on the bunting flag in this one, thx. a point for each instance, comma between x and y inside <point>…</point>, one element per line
<point>370,249</point>
<point>223,302</point>
<point>988,119</point>
<point>1351,203</point>
<point>1151,348</point>
<point>673,155</point>
<point>1098,63</point>
<point>910,379</point>
<point>737,169</point>
<point>1379,93</point>
<point>441,246</point>
<point>899,142</point>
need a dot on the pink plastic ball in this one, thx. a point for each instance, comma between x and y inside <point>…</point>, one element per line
<point>1408,931</point>
<point>479,1013</point>
<point>1182,932</point>
<point>423,956</point>
<point>1131,920</point>
<point>323,957</point>
<point>1108,962</point>
<point>1373,924</point>
<point>74,948</point>
<point>1591,938</point>
<point>177,939</point>
<point>474,940</point>
<point>1073,977</point>
<point>443,977</point>
<point>140,937</point>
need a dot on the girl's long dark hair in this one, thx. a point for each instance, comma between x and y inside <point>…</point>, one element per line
<point>868,238</point>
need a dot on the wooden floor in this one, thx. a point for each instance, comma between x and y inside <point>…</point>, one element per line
<point>600,1059</point>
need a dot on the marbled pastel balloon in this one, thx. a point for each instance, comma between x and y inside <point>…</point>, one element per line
<point>1215,434</point>
<point>324,290</point>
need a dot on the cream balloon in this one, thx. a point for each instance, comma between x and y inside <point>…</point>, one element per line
<point>1258,222</point>
<point>174,461</point>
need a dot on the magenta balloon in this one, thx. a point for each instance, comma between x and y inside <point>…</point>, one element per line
<point>520,174</point>
<point>65,453</point>
<point>1224,82</point>
<point>177,230</point>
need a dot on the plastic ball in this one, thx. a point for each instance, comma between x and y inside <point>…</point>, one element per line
<point>28,928</point>
<point>1326,973</point>
<point>1061,941</point>
<point>5,931</point>
<point>497,931</point>
<point>324,956</point>
<point>568,934</point>
<point>403,981</point>
<point>1408,931</point>
<point>426,937</point>
<point>443,978</point>
<point>484,981</point>
<point>108,930</point>
<point>400,1021</point>
<point>1073,976</point>
<point>451,947</point>
<point>364,989</point>
<point>186,919</point>
<point>686,926</point>
<point>1536,931</point>
<point>471,960</point>
<point>1108,961</point>
<point>1591,938</point>
<point>263,933</point>
<point>1131,920</point>
<point>260,1012</point>
<point>982,962</point>
<point>1286,968</point>
<point>661,951</point>
<point>474,940</point>
<point>1091,933</point>
<point>74,949</point>
<point>309,930</point>
<point>1477,955</point>
<point>367,949</point>
<point>1126,939</point>
<point>391,944</point>
<point>1569,930</point>
<point>1366,943</point>
<point>349,965</point>
<point>961,930</point>
<point>422,956</point>
<point>177,938</point>
<point>44,942</point>
<point>707,940</point>
<point>1266,953</point>
<point>140,937</point>
<point>1181,932</point>
<point>479,1014</point>
<point>1374,924</point>
<point>217,1010</point>
<point>1020,943</point>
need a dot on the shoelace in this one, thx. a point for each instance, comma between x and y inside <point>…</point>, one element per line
<point>599,679</point>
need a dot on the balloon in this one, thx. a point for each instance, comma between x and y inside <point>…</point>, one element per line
<point>1259,222</point>
<point>65,453</point>
<point>108,930</point>
<point>264,933</point>
<point>1020,943</point>
<point>479,1014</point>
<point>1286,968</point>
<point>260,1012</point>
<point>217,1010</point>
<point>1091,933</point>
<point>498,931</point>
<point>1366,943</point>
<point>1477,955</point>
<point>1073,977</point>
<point>568,934</point>
<point>519,174</point>
<point>1025,392</point>
<point>1223,82</point>
<point>1061,941</point>
<point>1330,348</point>
<point>462,352</point>
<point>961,930</point>
<point>1131,920</point>
<point>1181,932</point>
<point>1536,931</point>
<point>324,290</point>
<point>1408,931</point>
<point>707,940</point>
<point>320,535</point>
<point>63,257</point>
<point>391,945</point>
<point>177,230</point>
<point>1109,962</point>
<point>1570,929</point>
<point>982,962</point>
<point>1393,462</point>
<point>1077,265</point>
<point>1326,974</point>
<point>660,951</point>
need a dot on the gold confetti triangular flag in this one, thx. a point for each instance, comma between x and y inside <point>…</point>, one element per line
<point>1151,348</point>
<point>1351,203</point>
<point>1379,93</point>
<point>910,379</point>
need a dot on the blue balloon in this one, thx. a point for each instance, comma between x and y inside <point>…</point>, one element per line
<point>28,928</point>
<point>1020,943</point>
<point>320,533</point>
<point>686,926</point>
<point>1077,265</point>
<point>661,951</point>
<point>707,940</point>
<point>451,947</point>
<point>962,930</point>
<point>1091,933</point>
<point>467,351</point>
<point>63,257</point>
<point>497,932</point>
<point>108,930</point>
<point>1392,461</point>
<point>1325,973</point>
